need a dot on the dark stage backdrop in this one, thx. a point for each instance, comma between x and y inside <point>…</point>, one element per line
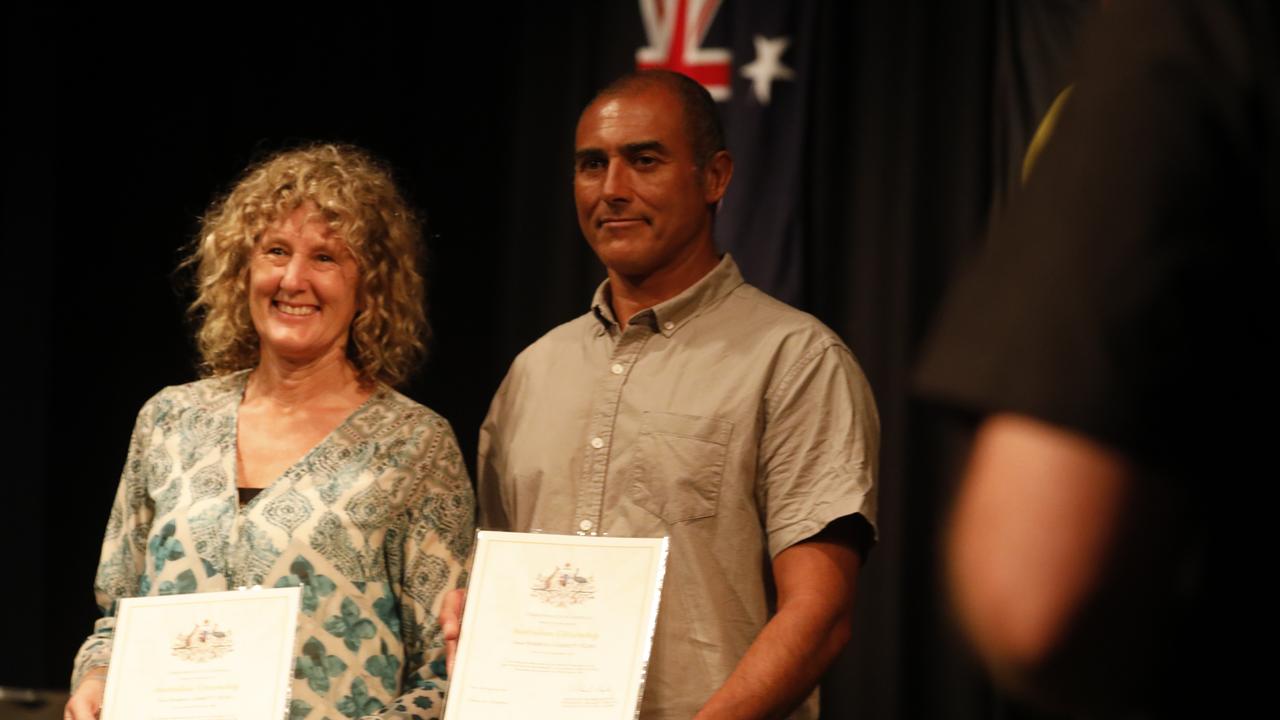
<point>866,179</point>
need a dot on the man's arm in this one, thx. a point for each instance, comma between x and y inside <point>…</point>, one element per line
<point>815,580</point>
<point>1056,550</point>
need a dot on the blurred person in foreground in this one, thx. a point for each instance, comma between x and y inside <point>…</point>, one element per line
<point>1117,342</point>
<point>294,462</point>
<point>687,403</point>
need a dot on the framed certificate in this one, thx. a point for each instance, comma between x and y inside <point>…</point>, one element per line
<point>556,626</point>
<point>204,655</point>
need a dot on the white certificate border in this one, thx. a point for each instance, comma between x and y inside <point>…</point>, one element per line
<point>133,610</point>
<point>646,628</point>
<point>651,622</point>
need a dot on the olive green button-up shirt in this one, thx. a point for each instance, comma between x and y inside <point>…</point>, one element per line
<point>728,421</point>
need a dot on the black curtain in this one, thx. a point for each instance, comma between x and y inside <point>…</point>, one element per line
<point>130,122</point>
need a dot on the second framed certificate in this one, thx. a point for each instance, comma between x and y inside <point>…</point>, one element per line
<point>556,626</point>
<point>203,656</point>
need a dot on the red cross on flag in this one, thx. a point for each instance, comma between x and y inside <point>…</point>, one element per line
<point>676,30</point>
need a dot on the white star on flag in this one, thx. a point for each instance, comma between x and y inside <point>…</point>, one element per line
<point>767,67</point>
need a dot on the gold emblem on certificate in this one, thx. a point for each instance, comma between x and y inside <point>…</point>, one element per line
<point>202,643</point>
<point>564,586</point>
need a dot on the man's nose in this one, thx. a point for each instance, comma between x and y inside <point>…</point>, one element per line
<point>617,183</point>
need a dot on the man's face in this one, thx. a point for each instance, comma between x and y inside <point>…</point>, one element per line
<point>642,200</point>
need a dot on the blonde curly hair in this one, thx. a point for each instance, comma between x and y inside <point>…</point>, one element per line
<point>354,194</point>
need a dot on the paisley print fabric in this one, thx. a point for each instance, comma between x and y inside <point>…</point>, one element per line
<point>374,524</point>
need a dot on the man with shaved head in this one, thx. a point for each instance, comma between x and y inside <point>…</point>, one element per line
<point>687,403</point>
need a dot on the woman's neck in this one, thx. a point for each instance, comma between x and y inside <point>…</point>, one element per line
<point>330,379</point>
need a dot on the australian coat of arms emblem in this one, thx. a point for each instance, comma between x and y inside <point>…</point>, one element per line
<point>564,586</point>
<point>204,642</point>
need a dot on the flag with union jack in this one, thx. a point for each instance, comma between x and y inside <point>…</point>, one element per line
<point>754,57</point>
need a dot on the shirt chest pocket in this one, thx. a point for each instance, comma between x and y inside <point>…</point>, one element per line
<point>679,464</point>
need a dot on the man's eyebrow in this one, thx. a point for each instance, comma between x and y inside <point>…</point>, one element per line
<point>630,149</point>
<point>645,146</point>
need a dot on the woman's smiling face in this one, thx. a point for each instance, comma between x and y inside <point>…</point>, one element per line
<point>303,286</point>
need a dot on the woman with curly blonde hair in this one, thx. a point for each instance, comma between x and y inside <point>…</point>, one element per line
<point>355,198</point>
<point>294,462</point>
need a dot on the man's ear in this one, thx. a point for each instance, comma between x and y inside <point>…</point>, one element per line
<point>716,175</point>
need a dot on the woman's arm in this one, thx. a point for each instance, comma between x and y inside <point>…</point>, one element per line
<point>436,547</point>
<point>124,550</point>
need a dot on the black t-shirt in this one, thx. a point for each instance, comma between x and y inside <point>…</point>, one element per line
<point>1129,294</point>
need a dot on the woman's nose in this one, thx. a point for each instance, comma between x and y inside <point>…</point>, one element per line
<point>295,274</point>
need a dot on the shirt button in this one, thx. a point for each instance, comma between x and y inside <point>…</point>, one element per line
<point>668,325</point>
<point>585,525</point>
<point>617,368</point>
<point>597,443</point>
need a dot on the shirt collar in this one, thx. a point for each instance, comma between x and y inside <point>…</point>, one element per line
<point>670,315</point>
